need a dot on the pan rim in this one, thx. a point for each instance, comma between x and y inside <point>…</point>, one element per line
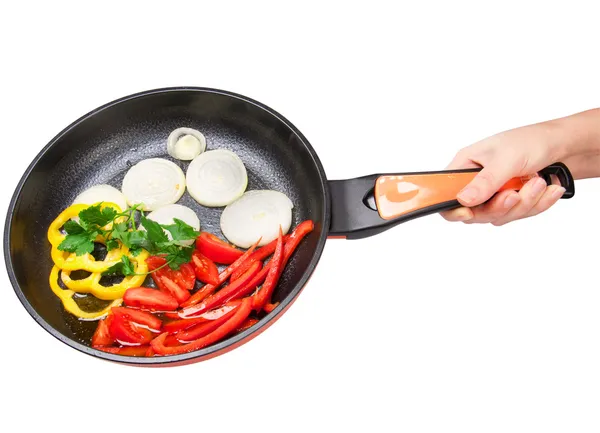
<point>217,348</point>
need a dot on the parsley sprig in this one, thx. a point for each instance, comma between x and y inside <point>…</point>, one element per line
<point>94,222</point>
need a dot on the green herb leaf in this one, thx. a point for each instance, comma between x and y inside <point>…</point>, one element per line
<point>180,231</point>
<point>124,267</point>
<point>73,228</point>
<point>79,244</point>
<point>155,232</point>
<point>112,244</point>
<point>135,251</point>
<point>177,256</point>
<point>93,215</point>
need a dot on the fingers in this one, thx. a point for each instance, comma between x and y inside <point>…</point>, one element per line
<point>530,194</point>
<point>460,214</point>
<point>497,207</point>
<point>487,182</point>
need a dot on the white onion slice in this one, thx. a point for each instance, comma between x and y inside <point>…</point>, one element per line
<point>257,214</point>
<point>186,144</point>
<point>102,193</point>
<point>154,182</point>
<point>216,178</point>
<point>166,214</point>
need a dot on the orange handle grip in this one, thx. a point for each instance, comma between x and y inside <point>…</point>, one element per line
<point>397,195</point>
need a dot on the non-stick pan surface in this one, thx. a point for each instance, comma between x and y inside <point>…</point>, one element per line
<point>100,148</point>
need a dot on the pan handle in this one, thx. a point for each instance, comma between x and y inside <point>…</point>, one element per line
<point>369,205</point>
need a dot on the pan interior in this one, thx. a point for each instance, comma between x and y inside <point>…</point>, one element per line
<point>102,146</point>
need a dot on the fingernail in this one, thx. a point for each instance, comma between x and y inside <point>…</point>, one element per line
<point>558,193</point>
<point>539,185</point>
<point>511,200</point>
<point>468,195</point>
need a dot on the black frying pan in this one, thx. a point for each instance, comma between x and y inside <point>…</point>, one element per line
<point>102,145</point>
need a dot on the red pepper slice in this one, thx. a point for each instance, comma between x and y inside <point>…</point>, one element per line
<point>294,239</point>
<point>139,317</point>
<point>206,328</point>
<point>222,295</point>
<point>181,324</point>
<point>241,314</point>
<point>128,333</point>
<point>263,296</point>
<point>209,288</point>
<point>205,268</point>
<point>216,249</point>
<point>270,307</point>
<point>250,322</point>
<point>126,350</point>
<point>102,335</point>
<point>150,299</point>
<point>260,254</point>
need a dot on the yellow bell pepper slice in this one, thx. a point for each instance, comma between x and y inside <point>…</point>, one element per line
<point>91,284</point>
<point>66,296</point>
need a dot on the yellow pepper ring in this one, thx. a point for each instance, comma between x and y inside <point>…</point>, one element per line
<point>91,284</point>
<point>55,236</point>
<point>66,296</point>
<point>86,262</point>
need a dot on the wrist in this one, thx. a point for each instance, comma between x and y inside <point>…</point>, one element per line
<point>577,135</point>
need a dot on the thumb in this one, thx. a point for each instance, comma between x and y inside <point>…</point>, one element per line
<point>487,182</point>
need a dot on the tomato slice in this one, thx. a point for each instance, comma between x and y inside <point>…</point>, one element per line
<point>127,350</point>
<point>176,283</point>
<point>185,277</point>
<point>102,335</point>
<point>205,268</point>
<point>150,299</point>
<point>128,333</point>
<point>216,249</point>
<point>139,317</point>
<point>169,286</point>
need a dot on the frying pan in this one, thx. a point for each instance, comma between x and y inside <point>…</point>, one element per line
<point>102,145</point>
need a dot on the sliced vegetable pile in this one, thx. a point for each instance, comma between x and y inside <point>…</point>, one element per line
<point>146,234</point>
<point>176,318</point>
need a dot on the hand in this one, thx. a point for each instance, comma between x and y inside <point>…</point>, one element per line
<point>518,152</point>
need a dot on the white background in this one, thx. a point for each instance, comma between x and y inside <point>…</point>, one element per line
<point>431,327</point>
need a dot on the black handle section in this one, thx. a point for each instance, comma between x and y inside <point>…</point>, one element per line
<point>354,212</point>
<point>564,176</point>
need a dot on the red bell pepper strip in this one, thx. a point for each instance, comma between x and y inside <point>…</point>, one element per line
<point>260,254</point>
<point>294,239</point>
<point>181,324</point>
<point>126,350</point>
<point>216,249</point>
<point>241,314</point>
<point>209,288</point>
<point>250,322</point>
<point>297,235</point>
<point>139,317</point>
<point>263,296</point>
<point>270,307</point>
<point>102,335</point>
<point>203,329</point>
<point>175,326</point>
<point>222,295</point>
<point>205,268</point>
<point>150,299</point>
